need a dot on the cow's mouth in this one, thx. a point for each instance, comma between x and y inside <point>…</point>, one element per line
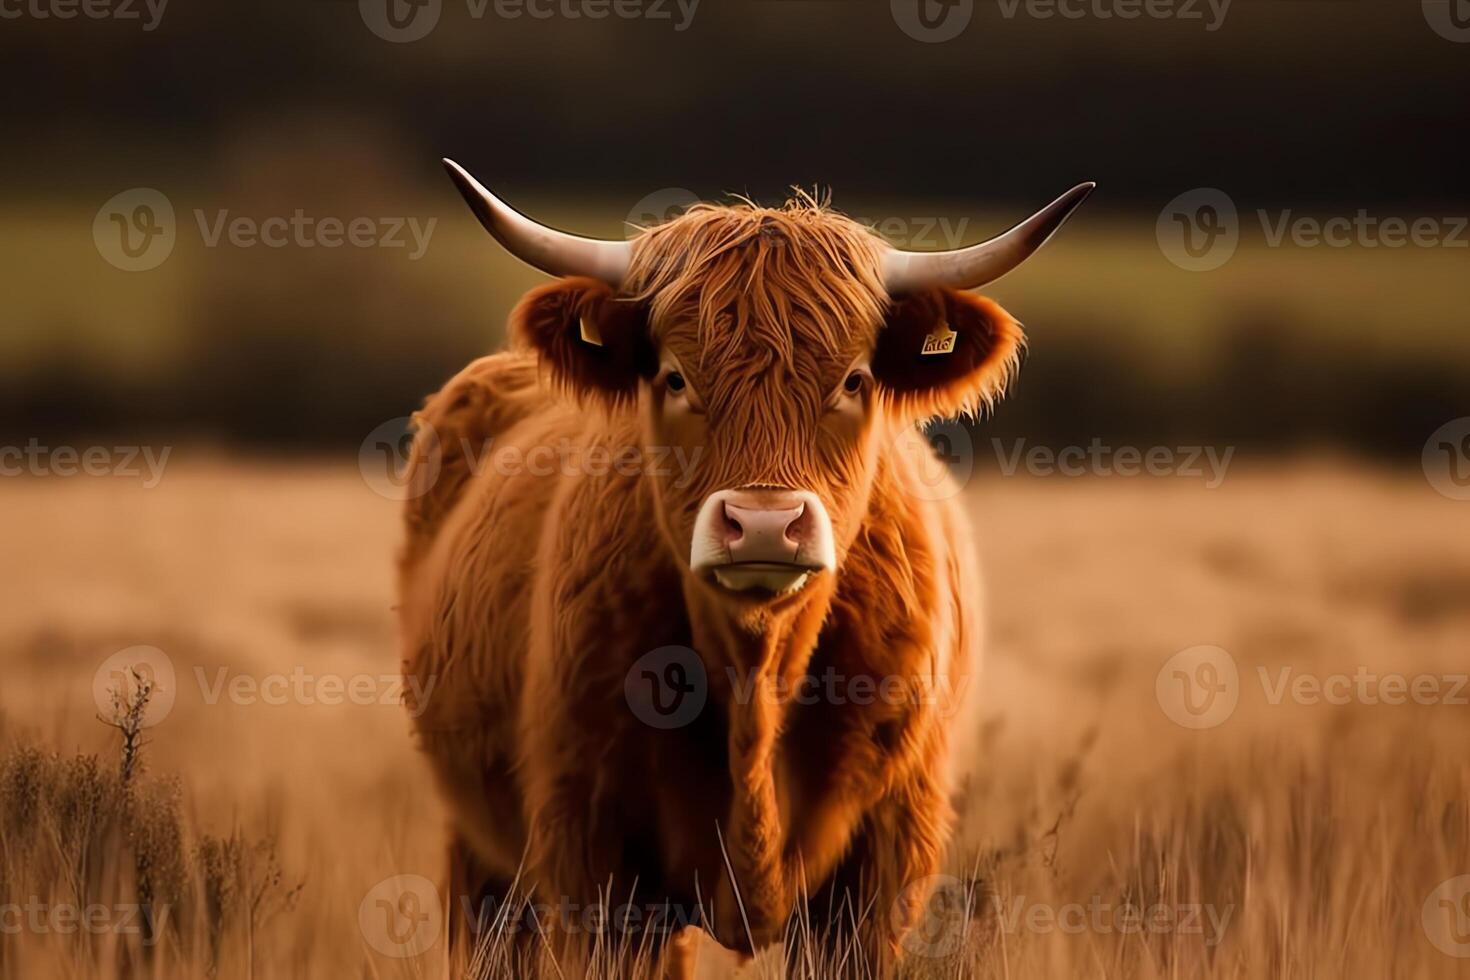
<point>774,578</point>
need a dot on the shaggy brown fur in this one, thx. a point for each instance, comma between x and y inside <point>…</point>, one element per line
<point>529,597</point>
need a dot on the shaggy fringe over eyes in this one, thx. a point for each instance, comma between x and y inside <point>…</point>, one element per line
<point>754,287</point>
<point>757,278</point>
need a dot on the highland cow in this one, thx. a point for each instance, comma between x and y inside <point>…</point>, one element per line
<point>798,556</point>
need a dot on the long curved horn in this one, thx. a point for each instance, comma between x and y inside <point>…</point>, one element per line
<point>967,268</point>
<point>553,252</point>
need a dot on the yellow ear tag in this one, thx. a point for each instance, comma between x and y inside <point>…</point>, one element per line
<point>589,332</point>
<point>941,341</point>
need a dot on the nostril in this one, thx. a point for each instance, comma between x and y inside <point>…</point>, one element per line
<point>798,526</point>
<point>734,531</point>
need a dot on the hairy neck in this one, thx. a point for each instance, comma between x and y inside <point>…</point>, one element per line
<point>747,644</point>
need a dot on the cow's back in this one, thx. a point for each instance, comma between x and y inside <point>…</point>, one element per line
<point>467,573</point>
<point>475,408</point>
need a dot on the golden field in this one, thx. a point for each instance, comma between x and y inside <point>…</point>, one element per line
<point>1290,839</point>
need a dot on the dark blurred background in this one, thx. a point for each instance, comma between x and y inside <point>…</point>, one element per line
<point>336,109</point>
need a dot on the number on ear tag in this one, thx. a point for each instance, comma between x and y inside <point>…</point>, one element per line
<point>941,341</point>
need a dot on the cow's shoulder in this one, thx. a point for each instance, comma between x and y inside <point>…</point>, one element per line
<point>453,430</point>
<point>608,588</point>
<point>899,607</point>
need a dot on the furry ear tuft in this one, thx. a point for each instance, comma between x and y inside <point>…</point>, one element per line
<point>595,344</point>
<point>944,353</point>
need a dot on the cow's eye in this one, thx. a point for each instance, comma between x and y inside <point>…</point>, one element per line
<point>675,381</point>
<point>854,383</point>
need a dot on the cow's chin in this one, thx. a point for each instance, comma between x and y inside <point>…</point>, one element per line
<point>757,580</point>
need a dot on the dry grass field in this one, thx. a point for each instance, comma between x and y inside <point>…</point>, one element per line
<point>1284,839</point>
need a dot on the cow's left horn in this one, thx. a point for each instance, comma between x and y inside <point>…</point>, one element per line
<point>967,268</point>
<point>553,252</point>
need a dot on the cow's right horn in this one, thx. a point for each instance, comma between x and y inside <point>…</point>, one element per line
<point>970,268</point>
<point>553,252</point>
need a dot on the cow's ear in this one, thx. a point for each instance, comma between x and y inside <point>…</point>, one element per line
<point>944,353</point>
<point>595,344</point>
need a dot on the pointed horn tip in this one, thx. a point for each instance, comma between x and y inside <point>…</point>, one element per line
<point>461,177</point>
<point>1081,192</point>
<point>1062,208</point>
